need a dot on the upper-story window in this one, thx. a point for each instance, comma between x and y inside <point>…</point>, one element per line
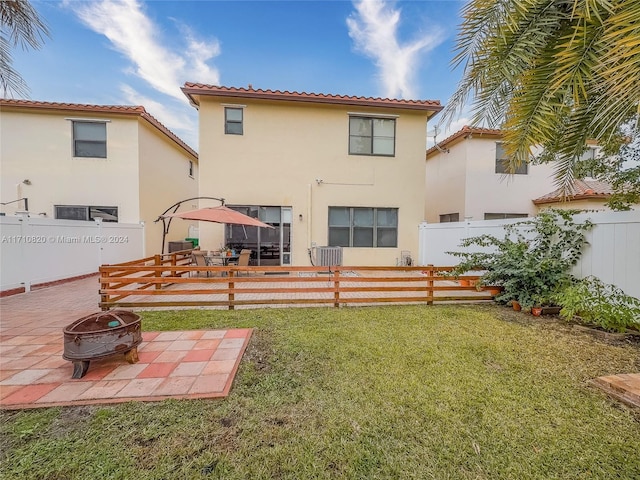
<point>233,121</point>
<point>90,139</point>
<point>502,162</point>
<point>588,156</point>
<point>191,168</point>
<point>372,136</point>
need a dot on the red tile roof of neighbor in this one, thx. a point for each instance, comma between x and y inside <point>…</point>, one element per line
<point>117,109</point>
<point>580,190</point>
<point>191,89</point>
<point>463,133</point>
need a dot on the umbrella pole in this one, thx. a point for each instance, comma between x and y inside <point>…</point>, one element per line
<point>165,225</point>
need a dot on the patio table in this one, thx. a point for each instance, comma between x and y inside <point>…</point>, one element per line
<point>225,259</point>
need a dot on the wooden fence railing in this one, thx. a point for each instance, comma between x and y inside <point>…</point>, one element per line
<point>170,281</point>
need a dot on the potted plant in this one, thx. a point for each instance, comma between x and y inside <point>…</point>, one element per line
<point>545,304</point>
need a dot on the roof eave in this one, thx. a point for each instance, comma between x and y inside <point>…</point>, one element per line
<point>462,134</point>
<point>117,110</point>
<point>594,196</point>
<point>192,92</point>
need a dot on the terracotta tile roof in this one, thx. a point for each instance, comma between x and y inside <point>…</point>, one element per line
<point>462,133</point>
<point>116,109</point>
<point>191,90</point>
<point>580,190</point>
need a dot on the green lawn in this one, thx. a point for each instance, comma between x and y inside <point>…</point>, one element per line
<point>442,392</point>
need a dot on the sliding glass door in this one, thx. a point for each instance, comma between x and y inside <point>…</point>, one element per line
<point>269,246</point>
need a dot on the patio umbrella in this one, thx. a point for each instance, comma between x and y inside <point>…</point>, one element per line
<point>219,214</point>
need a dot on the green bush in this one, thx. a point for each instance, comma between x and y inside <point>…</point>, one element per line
<point>533,260</point>
<point>600,304</point>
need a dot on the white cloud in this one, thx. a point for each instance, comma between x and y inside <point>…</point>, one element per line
<point>134,34</point>
<point>374,30</point>
<point>179,119</point>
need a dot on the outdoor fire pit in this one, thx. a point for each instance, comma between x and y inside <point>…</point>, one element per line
<point>101,335</point>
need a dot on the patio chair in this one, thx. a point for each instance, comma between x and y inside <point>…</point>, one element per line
<point>243,259</point>
<point>198,258</point>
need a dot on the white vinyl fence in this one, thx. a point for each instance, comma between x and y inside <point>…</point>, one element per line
<point>40,250</point>
<point>612,253</point>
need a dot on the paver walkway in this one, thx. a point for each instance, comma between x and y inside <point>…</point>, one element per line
<point>176,364</point>
<point>624,387</point>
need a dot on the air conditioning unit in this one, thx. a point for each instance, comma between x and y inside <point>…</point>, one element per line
<point>328,256</point>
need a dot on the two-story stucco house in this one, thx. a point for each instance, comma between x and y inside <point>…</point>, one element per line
<point>82,162</point>
<point>466,178</point>
<point>324,170</point>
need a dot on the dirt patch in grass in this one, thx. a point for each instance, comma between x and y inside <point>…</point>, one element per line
<point>72,419</point>
<point>259,351</point>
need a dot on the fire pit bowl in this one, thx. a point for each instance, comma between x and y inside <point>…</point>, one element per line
<point>101,335</point>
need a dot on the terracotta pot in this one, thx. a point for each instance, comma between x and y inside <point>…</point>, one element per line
<point>516,306</point>
<point>536,311</point>
<point>493,291</point>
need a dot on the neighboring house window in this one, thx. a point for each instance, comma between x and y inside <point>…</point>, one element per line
<point>86,212</point>
<point>588,155</point>
<point>372,136</point>
<point>90,139</point>
<point>500,216</point>
<point>190,168</point>
<point>363,227</point>
<point>450,217</point>
<point>233,121</point>
<point>502,162</point>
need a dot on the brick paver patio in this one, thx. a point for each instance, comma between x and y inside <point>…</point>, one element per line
<point>176,364</point>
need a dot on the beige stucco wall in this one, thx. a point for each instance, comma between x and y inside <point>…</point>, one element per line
<point>468,172</point>
<point>490,192</point>
<point>164,180</point>
<point>445,181</point>
<point>287,146</point>
<point>38,146</point>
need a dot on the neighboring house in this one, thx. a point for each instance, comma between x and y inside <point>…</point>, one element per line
<point>587,194</point>
<point>322,169</point>
<point>82,162</point>
<point>466,178</point>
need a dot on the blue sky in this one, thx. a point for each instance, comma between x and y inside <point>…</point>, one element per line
<point>136,52</point>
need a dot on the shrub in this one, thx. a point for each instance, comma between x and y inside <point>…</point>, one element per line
<point>533,260</point>
<point>600,304</point>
